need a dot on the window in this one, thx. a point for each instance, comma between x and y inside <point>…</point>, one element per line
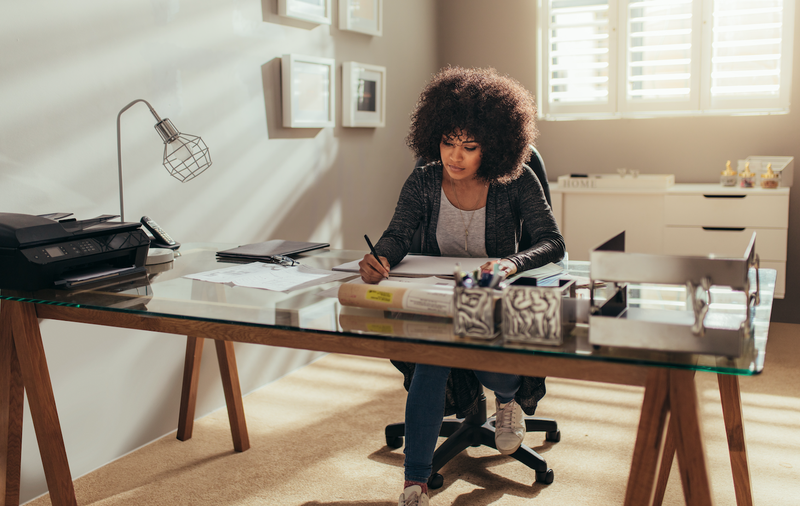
<point>629,58</point>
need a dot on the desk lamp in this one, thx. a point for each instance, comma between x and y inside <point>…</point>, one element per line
<point>185,156</point>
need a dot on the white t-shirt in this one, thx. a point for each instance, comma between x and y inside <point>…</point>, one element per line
<point>451,233</point>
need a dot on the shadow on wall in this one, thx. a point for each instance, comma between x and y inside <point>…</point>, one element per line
<point>273,105</point>
<point>303,216</point>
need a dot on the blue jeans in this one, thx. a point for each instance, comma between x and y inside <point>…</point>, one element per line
<point>425,410</point>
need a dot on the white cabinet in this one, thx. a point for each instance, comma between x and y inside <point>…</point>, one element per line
<point>685,219</point>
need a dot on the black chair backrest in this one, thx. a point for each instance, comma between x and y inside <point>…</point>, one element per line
<point>537,165</point>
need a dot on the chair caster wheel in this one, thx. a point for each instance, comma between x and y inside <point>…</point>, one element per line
<point>545,477</point>
<point>436,481</point>
<point>394,442</point>
<point>553,437</point>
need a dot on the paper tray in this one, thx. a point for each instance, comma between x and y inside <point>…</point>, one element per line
<point>701,331</point>
<point>671,331</point>
<point>610,263</point>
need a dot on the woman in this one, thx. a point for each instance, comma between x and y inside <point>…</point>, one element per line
<point>474,128</point>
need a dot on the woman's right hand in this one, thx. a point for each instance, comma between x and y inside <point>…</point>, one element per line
<point>373,269</point>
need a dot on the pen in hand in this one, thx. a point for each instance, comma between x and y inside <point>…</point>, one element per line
<point>372,250</point>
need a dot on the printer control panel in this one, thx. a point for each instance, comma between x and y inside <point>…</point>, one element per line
<point>83,247</point>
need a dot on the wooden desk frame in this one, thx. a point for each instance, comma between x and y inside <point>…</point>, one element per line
<point>669,421</point>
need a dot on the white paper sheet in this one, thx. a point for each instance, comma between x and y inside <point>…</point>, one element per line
<point>266,276</point>
<point>421,265</point>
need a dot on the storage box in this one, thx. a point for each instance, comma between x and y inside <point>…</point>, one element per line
<point>476,312</point>
<point>783,166</point>
<point>535,314</point>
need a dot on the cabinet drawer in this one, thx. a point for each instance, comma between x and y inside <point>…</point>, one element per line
<point>728,210</point>
<point>697,241</point>
<point>589,220</point>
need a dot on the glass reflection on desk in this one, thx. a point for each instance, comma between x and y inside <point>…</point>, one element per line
<point>167,293</point>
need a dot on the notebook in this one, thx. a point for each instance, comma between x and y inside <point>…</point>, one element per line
<point>260,250</point>
<point>421,265</point>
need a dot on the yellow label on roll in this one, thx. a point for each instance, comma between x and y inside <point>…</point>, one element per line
<point>379,296</point>
<point>380,328</point>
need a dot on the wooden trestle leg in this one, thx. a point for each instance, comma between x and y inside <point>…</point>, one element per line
<point>734,426</point>
<point>11,402</point>
<point>230,385</point>
<point>27,341</point>
<point>670,401</point>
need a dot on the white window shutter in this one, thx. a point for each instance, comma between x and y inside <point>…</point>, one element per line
<point>661,53</point>
<point>750,65</point>
<point>629,58</point>
<point>578,69</point>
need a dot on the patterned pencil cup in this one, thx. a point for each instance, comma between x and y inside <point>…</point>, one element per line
<point>474,312</point>
<point>533,314</point>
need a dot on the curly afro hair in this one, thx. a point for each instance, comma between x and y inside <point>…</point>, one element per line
<point>495,110</point>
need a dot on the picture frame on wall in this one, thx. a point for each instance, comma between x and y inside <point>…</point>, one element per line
<point>363,95</point>
<point>315,11</point>
<point>308,91</point>
<point>364,16</point>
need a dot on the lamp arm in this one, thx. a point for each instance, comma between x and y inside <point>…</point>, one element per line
<point>119,150</point>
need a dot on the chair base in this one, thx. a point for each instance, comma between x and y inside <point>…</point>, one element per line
<point>477,430</point>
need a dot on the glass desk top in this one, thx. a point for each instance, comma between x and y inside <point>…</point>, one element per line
<point>165,292</point>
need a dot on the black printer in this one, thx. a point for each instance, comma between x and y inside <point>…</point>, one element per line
<point>39,252</point>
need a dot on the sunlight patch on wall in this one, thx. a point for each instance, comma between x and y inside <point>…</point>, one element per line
<point>330,228</point>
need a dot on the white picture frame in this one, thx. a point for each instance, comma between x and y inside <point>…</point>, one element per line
<point>315,11</point>
<point>363,95</point>
<point>364,16</point>
<point>308,91</point>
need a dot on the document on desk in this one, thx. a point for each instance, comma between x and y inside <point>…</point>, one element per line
<point>278,278</point>
<point>544,272</point>
<point>422,265</point>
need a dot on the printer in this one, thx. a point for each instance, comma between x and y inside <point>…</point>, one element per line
<point>39,252</point>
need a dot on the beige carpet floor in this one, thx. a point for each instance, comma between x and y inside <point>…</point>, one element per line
<point>317,439</point>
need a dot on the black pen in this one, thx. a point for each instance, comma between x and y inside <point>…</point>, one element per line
<point>372,248</point>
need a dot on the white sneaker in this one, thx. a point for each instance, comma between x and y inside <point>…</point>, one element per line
<point>413,496</point>
<point>509,428</point>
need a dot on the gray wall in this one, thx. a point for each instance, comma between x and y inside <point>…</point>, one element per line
<point>476,33</point>
<point>212,67</point>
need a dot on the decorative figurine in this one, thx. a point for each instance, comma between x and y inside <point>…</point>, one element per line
<point>769,179</point>
<point>729,176</point>
<point>747,179</point>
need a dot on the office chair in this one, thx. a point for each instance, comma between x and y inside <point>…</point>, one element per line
<point>478,429</point>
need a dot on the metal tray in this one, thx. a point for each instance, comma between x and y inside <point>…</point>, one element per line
<point>692,331</point>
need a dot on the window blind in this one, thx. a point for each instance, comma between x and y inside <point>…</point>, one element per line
<point>628,58</point>
<point>746,48</point>
<point>578,51</point>
<point>659,49</point>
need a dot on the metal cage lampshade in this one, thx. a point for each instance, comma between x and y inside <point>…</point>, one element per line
<point>185,156</point>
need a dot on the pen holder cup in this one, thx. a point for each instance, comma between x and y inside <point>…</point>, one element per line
<point>535,314</point>
<point>476,312</point>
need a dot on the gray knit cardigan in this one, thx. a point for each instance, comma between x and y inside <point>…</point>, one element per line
<point>519,226</point>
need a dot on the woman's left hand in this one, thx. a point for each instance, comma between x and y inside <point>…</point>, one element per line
<point>507,267</point>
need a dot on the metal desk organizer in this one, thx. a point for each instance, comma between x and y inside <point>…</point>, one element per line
<point>695,330</point>
<point>476,312</point>
<point>534,313</point>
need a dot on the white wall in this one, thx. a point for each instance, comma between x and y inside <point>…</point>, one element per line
<point>212,67</point>
<point>478,33</point>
